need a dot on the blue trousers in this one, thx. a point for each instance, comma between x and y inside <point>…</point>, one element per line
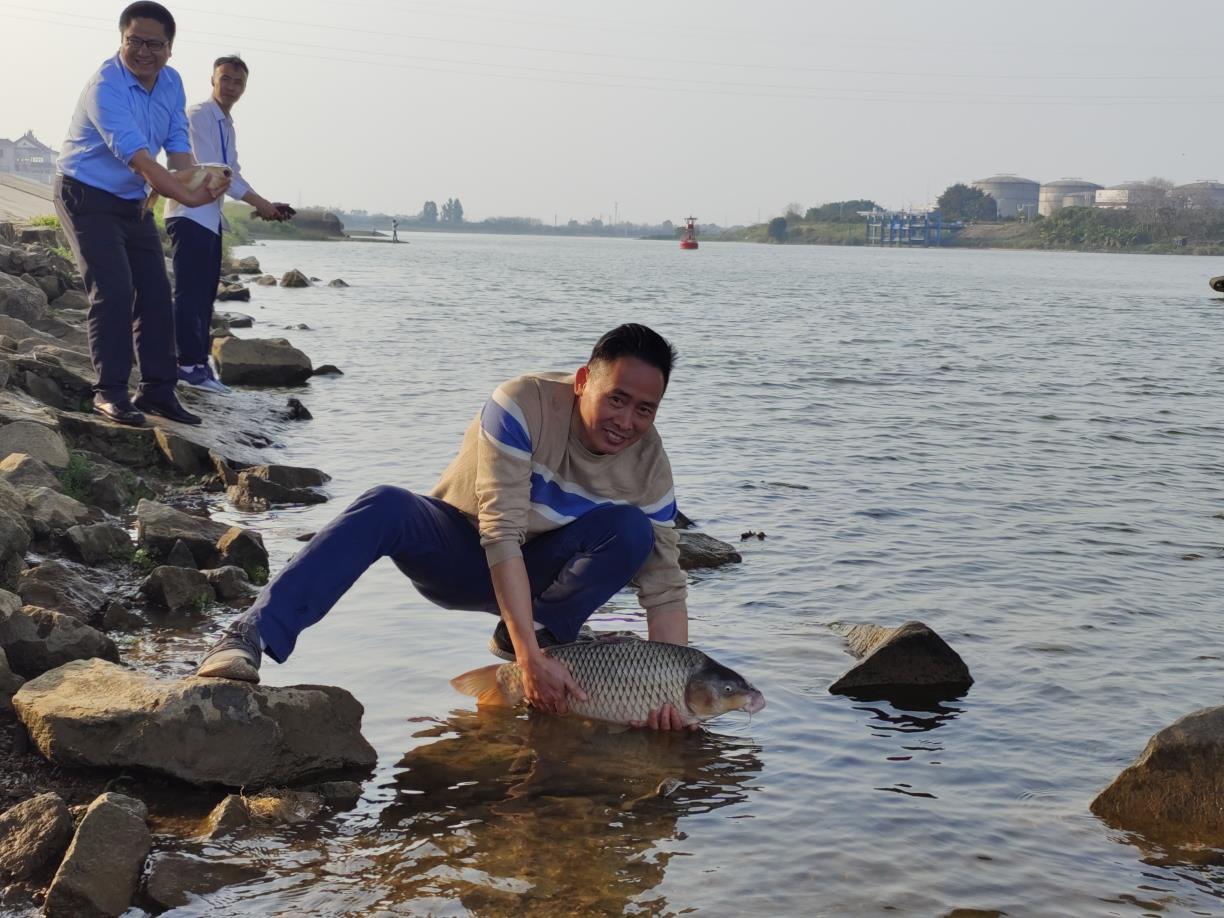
<point>197,268</point>
<point>572,570</point>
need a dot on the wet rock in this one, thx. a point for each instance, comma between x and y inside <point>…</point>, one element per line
<point>294,278</point>
<point>266,280</point>
<point>23,471</point>
<point>33,836</point>
<point>699,550</point>
<point>260,362</point>
<point>99,543</point>
<point>38,640</point>
<point>226,817</point>
<point>175,877</point>
<point>55,585</point>
<point>178,588</point>
<point>245,549</point>
<point>131,447</point>
<point>158,527</point>
<point>118,617</point>
<point>14,540</point>
<point>204,731</point>
<point>181,556</point>
<point>229,582</point>
<point>904,661</point>
<point>683,522</point>
<point>223,321</point>
<point>284,807</point>
<point>49,513</point>
<point>1174,791</point>
<point>101,870</point>
<point>297,411</point>
<point>9,683</point>
<point>337,282</point>
<point>338,794</point>
<point>182,453</point>
<point>247,265</point>
<point>329,369</point>
<point>35,440</point>
<point>262,486</point>
<point>233,293</point>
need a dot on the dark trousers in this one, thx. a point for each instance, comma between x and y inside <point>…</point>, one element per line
<point>119,254</point>
<point>572,570</point>
<point>197,269</point>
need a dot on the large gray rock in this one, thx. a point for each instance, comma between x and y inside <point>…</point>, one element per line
<point>99,543</point>
<point>159,526</point>
<point>49,513</point>
<point>56,585</point>
<point>1174,791</point>
<point>907,660</point>
<point>35,440</point>
<point>178,588</point>
<point>698,550</point>
<point>23,472</point>
<point>183,454</point>
<point>260,362</point>
<point>37,640</point>
<point>204,731</point>
<point>47,378</point>
<point>33,836</point>
<point>101,870</point>
<point>21,300</point>
<point>10,682</point>
<point>176,876</point>
<point>109,485</point>
<point>131,447</point>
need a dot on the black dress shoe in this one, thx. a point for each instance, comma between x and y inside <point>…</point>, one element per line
<point>168,408</point>
<point>120,412</point>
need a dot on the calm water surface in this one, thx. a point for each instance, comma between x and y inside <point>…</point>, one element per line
<point>1023,450</point>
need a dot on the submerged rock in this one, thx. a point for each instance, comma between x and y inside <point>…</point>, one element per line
<point>33,836</point>
<point>700,550</point>
<point>1174,791</point>
<point>284,807</point>
<point>175,877</point>
<point>226,817</point>
<point>101,870</point>
<point>204,731</point>
<point>907,660</point>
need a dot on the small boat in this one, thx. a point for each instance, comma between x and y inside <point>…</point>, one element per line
<point>689,240</point>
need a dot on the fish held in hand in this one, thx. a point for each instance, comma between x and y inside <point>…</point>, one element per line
<point>625,679</point>
<point>210,174</point>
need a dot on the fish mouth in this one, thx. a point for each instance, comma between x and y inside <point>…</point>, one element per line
<point>755,702</point>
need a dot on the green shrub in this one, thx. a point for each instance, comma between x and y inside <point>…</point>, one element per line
<point>45,220</point>
<point>74,478</point>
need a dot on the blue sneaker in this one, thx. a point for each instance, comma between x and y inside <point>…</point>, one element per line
<point>199,377</point>
<point>217,386</point>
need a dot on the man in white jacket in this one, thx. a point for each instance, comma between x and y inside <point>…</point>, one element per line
<point>195,232</point>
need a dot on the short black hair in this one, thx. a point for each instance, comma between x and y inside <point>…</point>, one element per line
<point>146,9</point>
<point>233,60</point>
<point>634,340</point>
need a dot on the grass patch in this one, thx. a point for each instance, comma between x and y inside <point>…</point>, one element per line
<point>257,574</point>
<point>74,478</point>
<point>143,560</point>
<point>46,220</point>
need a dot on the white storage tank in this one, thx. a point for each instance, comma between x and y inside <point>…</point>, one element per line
<point>1055,195</point>
<point>1016,196</point>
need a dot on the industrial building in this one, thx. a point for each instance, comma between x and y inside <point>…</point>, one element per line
<point>1016,197</point>
<point>28,157</point>
<point>1203,193</point>
<point>1129,194</point>
<point>1067,192</point>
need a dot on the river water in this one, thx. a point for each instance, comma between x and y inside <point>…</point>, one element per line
<point>1024,450</point>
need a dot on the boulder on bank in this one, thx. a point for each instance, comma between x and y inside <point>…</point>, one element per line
<point>204,731</point>
<point>909,660</point>
<point>33,836</point>
<point>34,439</point>
<point>183,454</point>
<point>263,486</point>
<point>244,548</point>
<point>159,526</point>
<point>55,585</point>
<point>99,543</point>
<point>21,300</point>
<point>130,447</point>
<point>698,550</point>
<point>14,540</point>
<point>1174,791</point>
<point>294,278</point>
<point>229,582</point>
<point>247,265</point>
<point>178,588</point>
<point>101,870</point>
<point>10,682</point>
<point>23,471</point>
<point>260,362</point>
<point>49,513</point>
<point>38,640</point>
<point>233,293</point>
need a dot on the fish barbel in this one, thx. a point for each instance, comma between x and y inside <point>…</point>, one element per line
<point>193,177</point>
<point>625,679</point>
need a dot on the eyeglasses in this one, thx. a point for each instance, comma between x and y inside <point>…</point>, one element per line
<point>135,44</point>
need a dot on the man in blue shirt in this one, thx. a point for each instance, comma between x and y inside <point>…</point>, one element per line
<point>130,110</point>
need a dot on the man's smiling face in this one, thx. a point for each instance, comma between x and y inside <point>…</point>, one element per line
<point>617,402</point>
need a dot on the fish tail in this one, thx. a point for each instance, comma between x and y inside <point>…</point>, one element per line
<point>483,685</point>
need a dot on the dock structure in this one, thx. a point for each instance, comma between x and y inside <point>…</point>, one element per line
<point>901,228</point>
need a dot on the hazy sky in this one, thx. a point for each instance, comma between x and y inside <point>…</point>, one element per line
<point>652,110</point>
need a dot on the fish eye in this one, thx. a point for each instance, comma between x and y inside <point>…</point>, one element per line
<point>728,688</point>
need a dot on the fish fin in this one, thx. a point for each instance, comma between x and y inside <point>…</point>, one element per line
<point>483,685</point>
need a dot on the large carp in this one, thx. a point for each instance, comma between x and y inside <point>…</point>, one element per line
<point>625,679</point>
<point>193,177</point>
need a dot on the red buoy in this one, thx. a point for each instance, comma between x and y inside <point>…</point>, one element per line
<point>689,241</point>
